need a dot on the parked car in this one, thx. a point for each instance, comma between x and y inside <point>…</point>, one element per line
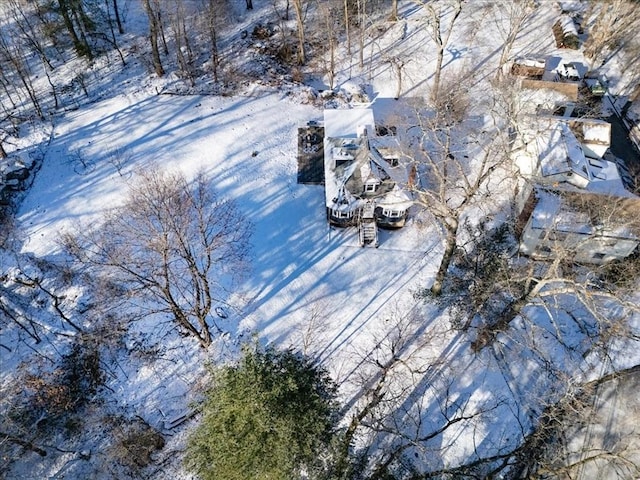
<point>597,88</point>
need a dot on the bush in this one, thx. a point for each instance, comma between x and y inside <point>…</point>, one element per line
<point>72,385</point>
<point>272,416</point>
<point>134,442</point>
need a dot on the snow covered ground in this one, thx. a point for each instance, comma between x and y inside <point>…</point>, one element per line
<point>311,287</point>
<point>301,268</point>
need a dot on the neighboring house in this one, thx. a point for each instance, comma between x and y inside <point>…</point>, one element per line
<point>364,176</point>
<point>573,199</point>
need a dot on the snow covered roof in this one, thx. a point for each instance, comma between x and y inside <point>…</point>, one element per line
<point>560,153</point>
<point>569,210</point>
<point>549,211</point>
<point>593,134</point>
<point>352,159</point>
<point>573,151</point>
<point>346,122</point>
<point>396,198</point>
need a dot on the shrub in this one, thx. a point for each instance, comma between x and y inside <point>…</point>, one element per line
<point>134,443</point>
<point>70,386</point>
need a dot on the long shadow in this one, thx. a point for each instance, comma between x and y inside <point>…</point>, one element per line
<point>121,129</point>
<point>395,284</point>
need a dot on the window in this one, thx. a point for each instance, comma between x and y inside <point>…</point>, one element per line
<point>341,213</point>
<point>598,256</point>
<point>370,187</point>
<point>553,235</point>
<point>387,212</point>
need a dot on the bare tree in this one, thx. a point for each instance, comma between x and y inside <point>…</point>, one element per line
<point>27,279</point>
<point>330,12</point>
<point>612,25</point>
<point>214,15</point>
<point>15,55</point>
<point>299,7</point>
<point>454,160</point>
<point>509,20</point>
<point>442,17</point>
<point>30,35</point>
<point>398,64</point>
<point>154,33</point>
<point>184,53</point>
<point>174,245</point>
<point>409,401</point>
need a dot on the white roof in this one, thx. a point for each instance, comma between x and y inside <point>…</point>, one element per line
<point>396,198</point>
<point>552,210</point>
<point>346,122</point>
<point>560,152</point>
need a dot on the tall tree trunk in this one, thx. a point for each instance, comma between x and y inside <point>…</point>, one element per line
<point>362,18</point>
<point>213,38</point>
<point>329,27</point>
<point>116,13</point>
<point>450,244</point>
<point>397,65</point>
<point>114,41</point>
<point>160,24</point>
<point>441,43</point>
<point>82,19</point>
<point>347,30</point>
<point>297,5</point>
<point>153,37</point>
<point>83,26</point>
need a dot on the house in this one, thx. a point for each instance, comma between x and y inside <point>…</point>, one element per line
<point>364,175</point>
<point>573,199</point>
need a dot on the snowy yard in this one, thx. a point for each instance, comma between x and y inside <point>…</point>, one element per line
<point>361,312</point>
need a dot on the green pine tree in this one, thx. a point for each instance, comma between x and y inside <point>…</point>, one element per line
<point>270,417</point>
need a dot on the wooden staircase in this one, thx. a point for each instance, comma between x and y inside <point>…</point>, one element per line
<point>367,228</point>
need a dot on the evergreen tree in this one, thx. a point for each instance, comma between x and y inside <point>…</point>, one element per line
<point>271,416</point>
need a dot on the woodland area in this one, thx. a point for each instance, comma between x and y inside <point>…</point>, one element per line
<point>173,306</point>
